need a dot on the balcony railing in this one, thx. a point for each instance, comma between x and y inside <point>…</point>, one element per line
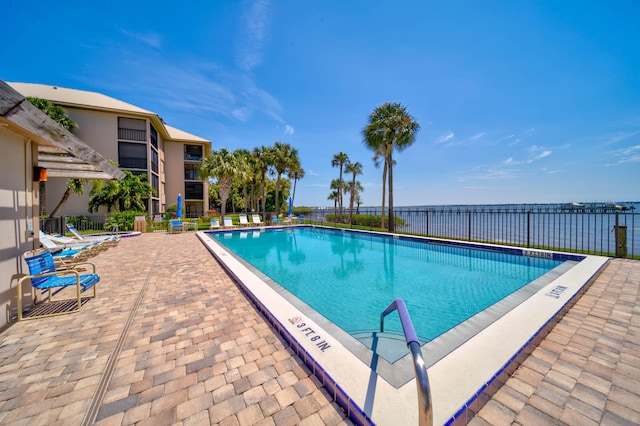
<point>132,134</point>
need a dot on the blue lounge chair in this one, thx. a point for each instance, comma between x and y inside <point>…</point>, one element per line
<point>44,276</point>
<point>214,224</point>
<point>175,225</point>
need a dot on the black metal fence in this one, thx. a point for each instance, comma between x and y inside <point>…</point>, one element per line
<point>592,231</point>
<point>56,225</point>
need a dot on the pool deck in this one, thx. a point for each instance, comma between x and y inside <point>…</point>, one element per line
<point>172,340</point>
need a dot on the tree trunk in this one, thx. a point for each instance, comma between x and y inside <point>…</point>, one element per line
<point>340,196</point>
<point>392,222</point>
<point>277,194</point>
<point>384,190</point>
<point>42,189</point>
<point>225,189</point>
<point>63,200</point>
<point>353,193</point>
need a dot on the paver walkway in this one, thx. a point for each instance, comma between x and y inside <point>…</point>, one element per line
<point>587,370</point>
<point>171,340</point>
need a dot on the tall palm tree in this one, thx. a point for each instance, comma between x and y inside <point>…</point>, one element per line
<point>355,169</point>
<point>390,126</point>
<point>261,155</point>
<point>339,160</point>
<point>221,165</point>
<point>283,157</point>
<point>296,173</point>
<point>244,174</point>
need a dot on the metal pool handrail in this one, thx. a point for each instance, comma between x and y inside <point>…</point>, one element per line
<point>425,411</point>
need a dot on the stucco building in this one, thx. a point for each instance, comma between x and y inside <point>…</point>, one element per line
<point>138,140</point>
<point>27,136</point>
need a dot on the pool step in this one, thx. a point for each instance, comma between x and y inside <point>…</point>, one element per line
<point>389,345</point>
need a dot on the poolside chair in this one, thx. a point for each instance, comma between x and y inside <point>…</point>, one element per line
<point>256,220</point>
<point>44,276</point>
<point>66,253</point>
<point>228,223</point>
<point>111,240</point>
<point>301,219</point>
<point>175,225</point>
<point>243,220</point>
<point>214,224</point>
<point>275,220</point>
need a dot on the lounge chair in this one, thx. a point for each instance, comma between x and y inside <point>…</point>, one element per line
<point>214,224</point>
<point>69,252</point>
<point>175,225</point>
<point>228,223</point>
<point>256,220</point>
<point>108,239</point>
<point>243,220</point>
<point>275,220</point>
<point>301,219</point>
<point>44,276</point>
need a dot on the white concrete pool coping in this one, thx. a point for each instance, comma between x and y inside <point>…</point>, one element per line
<point>464,376</point>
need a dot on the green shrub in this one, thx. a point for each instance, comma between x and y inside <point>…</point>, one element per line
<point>124,220</point>
<point>367,220</point>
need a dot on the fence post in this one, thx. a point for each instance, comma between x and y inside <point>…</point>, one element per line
<point>621,238</point>
<point>528,228</point>
<point>469,224</point>
<point>427,220</point>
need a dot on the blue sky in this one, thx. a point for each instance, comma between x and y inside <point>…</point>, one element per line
<point>518,102</point>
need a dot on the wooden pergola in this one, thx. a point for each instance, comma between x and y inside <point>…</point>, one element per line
<point>60,152</point>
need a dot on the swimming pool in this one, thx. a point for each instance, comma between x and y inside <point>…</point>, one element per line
<point>382,388</point>
<point>442,285</point>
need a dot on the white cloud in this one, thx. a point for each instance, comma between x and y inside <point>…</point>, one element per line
<point>288,130</point>
<point>446,137</point>
<point>254,31</point>
<point>151,39</point>
<point>630,154</point>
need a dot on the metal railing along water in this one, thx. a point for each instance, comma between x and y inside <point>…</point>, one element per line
<point>425,411</point>
<point>591,230</point>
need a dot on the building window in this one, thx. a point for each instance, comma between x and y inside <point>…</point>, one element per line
<point>155,182</point>
<point>155,207</point>
<point>194,190</point>
<point>192,152</point>
<point>154,136</point>
<point>154,160</point>
<point>132,129</point>
<point>191,171</point>
<point>132,155</point>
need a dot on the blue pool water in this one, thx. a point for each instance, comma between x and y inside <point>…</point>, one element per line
<point>349,278</point>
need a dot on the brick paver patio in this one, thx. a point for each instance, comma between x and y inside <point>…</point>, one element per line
<point>171,340</point>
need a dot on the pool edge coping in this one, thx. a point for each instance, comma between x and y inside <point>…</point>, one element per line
<point>363,398</point>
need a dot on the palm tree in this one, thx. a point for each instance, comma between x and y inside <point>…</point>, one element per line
<point>390,125</point>
<point>339,160</point>
<point>221,165</point>
<point>296,173</point>
<point>244,175</point>
<point>355,169</point>
<point>130,193</point>
<point>261,154</point>
<point>282,158</point>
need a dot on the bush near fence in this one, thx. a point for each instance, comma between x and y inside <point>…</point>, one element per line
<point>372,221</point>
